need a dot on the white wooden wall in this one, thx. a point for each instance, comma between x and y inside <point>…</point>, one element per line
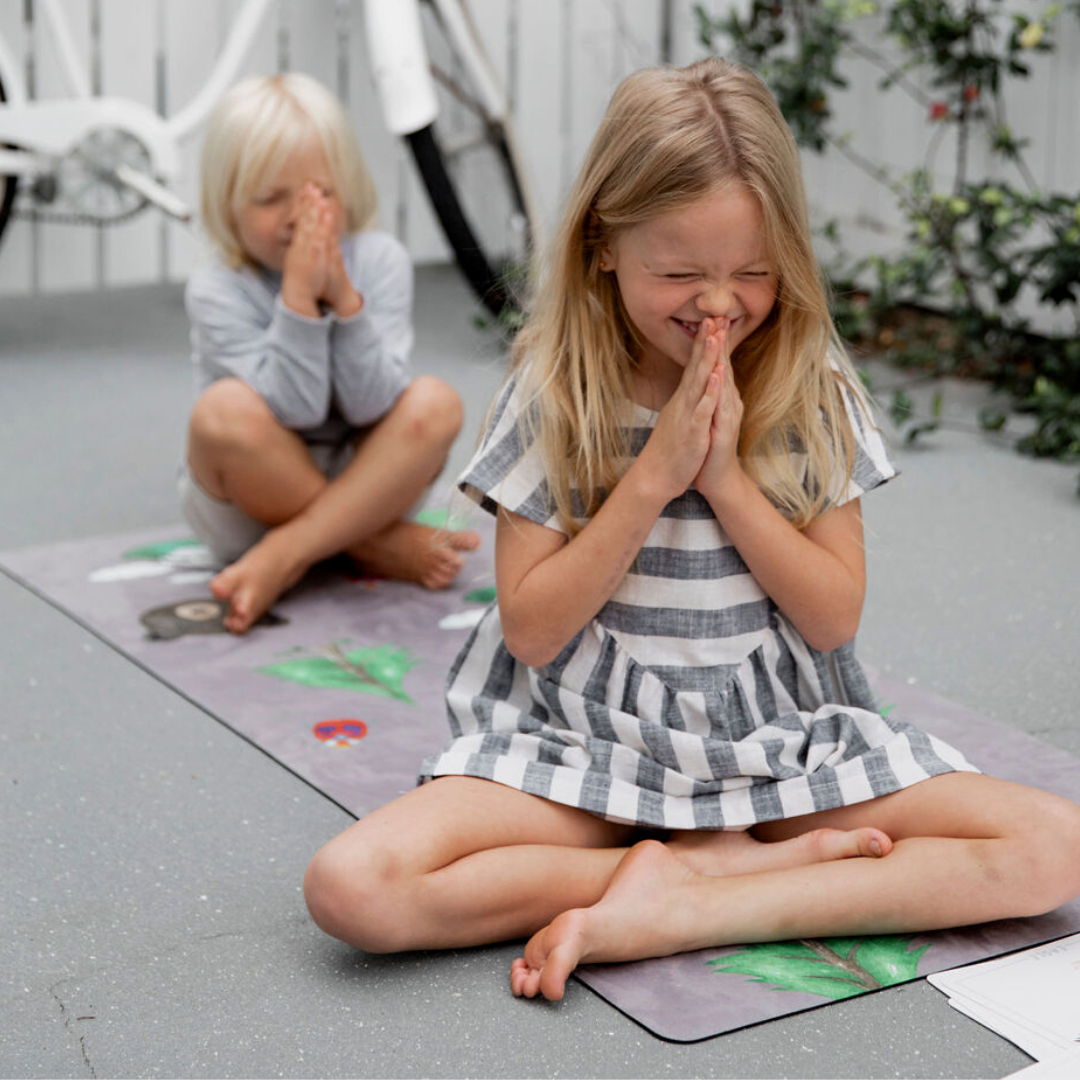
<point>560,60</point>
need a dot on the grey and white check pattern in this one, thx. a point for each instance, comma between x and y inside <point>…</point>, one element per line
<point>690,701</point>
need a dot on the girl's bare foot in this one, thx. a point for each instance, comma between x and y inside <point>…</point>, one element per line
<point>640,915</point>
<point>409,551</point>
<point>715,853</point>
<point>251,584</point>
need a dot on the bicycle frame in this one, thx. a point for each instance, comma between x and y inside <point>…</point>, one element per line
<point>46,130</point>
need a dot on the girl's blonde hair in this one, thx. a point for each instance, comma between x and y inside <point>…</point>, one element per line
<point>669,137</point>
<point>256,127</point>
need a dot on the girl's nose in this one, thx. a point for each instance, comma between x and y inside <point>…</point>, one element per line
<point>717,299</point>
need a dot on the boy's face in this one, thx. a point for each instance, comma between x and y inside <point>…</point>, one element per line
<point>266,222</point>
<point>707,259</point>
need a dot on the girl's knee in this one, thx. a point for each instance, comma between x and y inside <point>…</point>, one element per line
<point>230,413</point>
<point>1049,872</point>
<point>357,894</point>
<point>432,408</point>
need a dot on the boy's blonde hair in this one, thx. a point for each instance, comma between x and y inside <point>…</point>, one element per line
<point>669,137</point>
<point>256,127</point>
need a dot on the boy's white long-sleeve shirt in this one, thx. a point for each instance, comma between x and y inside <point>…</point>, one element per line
<point>320,377</point>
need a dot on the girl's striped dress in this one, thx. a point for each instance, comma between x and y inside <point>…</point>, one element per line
<point>689,701</point>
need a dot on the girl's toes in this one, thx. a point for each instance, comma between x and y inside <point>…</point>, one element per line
<point>524,981</point>
<point>874,843</point>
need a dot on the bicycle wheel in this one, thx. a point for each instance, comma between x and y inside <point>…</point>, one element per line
<point>10,186</point>
<point>472,176</point>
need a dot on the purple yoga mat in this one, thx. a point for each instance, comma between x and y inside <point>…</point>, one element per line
<point>700,994</point>
<point>346,693</point>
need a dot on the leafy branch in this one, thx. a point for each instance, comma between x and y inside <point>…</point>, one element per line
<point>979,254</point>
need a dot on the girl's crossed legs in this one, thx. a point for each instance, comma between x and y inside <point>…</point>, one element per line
<point>462,861</point>
<point>967,849</point>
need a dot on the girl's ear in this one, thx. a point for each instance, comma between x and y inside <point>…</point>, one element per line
<point>607,259</point>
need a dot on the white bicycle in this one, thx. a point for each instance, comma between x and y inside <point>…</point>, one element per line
<point>100,160</point>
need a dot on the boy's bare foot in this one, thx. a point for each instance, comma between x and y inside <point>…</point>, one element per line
<point>409,551</point>
<point>715,853</point>
<point>251,584</point>
<point>640,915</point>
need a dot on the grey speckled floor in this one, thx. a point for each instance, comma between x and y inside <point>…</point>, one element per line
<point>151,861</point>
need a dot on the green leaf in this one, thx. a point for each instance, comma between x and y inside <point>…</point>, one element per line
<point>382,671</point>
<point>901,408</point>
<point>439,517</point>
<point>481,596</point>
<point>889,958</point>
<point>914,432</point>
<point>834,968</point>
<point>160,549</point>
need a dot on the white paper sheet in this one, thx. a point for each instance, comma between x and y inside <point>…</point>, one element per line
<point>1032,997</point>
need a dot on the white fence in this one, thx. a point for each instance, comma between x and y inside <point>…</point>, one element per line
<point>560,60</point>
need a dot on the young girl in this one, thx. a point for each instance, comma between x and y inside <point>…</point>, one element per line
<point>309,437</point>
<point>662,739</point>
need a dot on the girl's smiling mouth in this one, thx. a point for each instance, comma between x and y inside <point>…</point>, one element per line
<point>688,328</point>
<point>691,328</point>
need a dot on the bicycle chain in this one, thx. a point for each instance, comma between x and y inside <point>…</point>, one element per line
<point>70,217</point>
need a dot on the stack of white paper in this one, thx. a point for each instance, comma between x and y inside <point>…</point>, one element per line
<point>1032,998</point>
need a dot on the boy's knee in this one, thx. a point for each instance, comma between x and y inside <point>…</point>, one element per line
<point>228,413</point>
<point>352,895</point>
<point>433,409</point>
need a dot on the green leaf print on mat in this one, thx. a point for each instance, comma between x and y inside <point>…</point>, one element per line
<point>160,549</point>
<point>834,968</point>
<point>378,669</point>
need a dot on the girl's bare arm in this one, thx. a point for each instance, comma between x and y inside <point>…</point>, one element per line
<point>549,587</point>
<point>817,576</point>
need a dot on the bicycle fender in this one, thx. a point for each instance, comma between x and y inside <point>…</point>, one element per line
<point>399,63</point>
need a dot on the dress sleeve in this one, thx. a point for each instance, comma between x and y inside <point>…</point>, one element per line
<point>507,469</point>
<point>283,356</point>
<point>873,464</point>
<point>369,351</point>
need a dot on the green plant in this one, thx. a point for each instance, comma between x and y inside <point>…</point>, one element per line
<point>975,257</point>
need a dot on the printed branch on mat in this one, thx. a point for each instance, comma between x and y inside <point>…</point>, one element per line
<point>377,670</point>
<point>835,968</point>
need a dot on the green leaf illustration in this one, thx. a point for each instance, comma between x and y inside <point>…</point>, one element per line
<point>440,517</point>
<point>160,549</point>
<point>481,596</point>
<point>378,669</point>
<point>833,968</point>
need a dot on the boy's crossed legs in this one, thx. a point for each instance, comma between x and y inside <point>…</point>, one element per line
<point>239,453</point>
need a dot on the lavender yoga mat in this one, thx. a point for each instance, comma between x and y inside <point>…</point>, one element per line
<point>343,687</point>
